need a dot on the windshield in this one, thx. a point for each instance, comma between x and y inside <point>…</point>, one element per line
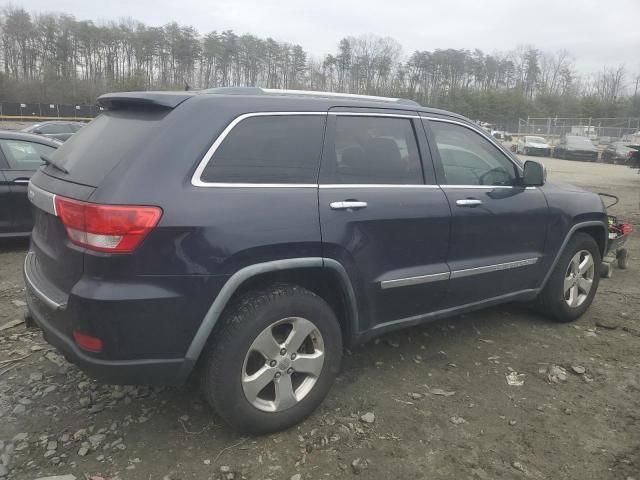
<point>534,140</point>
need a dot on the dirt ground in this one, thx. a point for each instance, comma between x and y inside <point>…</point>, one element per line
<point>441,404</point>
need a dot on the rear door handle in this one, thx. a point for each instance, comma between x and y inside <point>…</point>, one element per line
<point>347,205</point>
<point>468,202</point>
<point>21,181</point>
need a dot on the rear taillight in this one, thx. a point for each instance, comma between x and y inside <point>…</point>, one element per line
<point>107,228</point>
<point>87,342</point>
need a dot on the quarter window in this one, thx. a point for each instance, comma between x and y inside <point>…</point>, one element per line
<point>469,159</point>
<point>24,155</point>
<point>269,149</point>
<point>373,150</point>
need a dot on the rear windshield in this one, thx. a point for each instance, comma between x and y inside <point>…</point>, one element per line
<point>96,149</point>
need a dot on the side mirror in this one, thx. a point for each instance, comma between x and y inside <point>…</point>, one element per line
<point>535,175</point>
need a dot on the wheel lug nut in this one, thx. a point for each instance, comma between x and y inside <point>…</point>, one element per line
<point>290,370</point>
<point>293,356</point>
<point>283,351</point>
<point>273,363</point>
<point>278,374</point>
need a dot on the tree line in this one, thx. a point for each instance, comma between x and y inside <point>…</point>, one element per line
<point>56,58</point>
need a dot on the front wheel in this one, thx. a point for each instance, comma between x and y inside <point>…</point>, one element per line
<point>574,280</point>
<point>273,359</point>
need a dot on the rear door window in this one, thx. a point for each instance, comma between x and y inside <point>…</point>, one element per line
<point>373,150</point>
<point>269,149</point>
<point>23,155</point>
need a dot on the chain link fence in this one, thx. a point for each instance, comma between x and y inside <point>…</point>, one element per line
<point>47,111</point>
<point>602,130</point>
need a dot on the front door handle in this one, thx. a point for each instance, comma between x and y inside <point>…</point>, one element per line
<point>468,202</point>
<point>347,205</point>
<point>21,181</point>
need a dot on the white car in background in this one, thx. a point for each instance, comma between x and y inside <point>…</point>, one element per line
<point>533,145</point>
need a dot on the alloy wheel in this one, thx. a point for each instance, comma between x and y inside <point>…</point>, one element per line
<point>578,279</point>
<point>283,364</point>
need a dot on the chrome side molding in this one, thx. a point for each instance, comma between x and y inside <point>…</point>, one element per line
<point>406,282</point>
<point>467,272</point>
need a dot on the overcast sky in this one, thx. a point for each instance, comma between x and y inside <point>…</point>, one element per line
<point>596,32</point>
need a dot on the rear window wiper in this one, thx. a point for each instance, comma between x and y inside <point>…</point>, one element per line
<point>49,161</point>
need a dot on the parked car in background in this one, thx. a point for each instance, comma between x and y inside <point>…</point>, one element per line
<point>574,147</point>
<point>532,145</point>
<point>617,152</point>
<point>58,130</point>
<point>19,159</point>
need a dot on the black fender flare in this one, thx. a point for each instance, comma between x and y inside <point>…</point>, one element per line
<point>238,278</point>
<point>572,230</point>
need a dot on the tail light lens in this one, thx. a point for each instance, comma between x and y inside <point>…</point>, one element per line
<point>107,228</point>
<point>627,228</point>
<point>87,342</point>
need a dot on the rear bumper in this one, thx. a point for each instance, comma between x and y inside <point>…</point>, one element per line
<point>57,318</point>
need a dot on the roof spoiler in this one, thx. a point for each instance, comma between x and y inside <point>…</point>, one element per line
<point>162,100</point>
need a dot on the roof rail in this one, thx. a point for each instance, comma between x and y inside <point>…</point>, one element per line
<point>274,91</point>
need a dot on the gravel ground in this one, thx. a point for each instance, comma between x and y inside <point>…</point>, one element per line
<point>428,402</point>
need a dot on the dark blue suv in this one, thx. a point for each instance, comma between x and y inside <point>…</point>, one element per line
<point>251,235</point>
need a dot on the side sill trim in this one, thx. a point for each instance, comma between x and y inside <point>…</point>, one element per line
<point>447,312</point>
<point>467,272</point>
<point>405,282</point>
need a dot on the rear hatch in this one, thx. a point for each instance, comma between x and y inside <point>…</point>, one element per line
<point>83,162</point>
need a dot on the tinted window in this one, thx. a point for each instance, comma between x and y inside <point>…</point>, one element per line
<point>24,155</point>
<point>269,149</point>
<point>51,128</point>
<point>375,150</point>
<point>98,148</point>
<point>470,159</point>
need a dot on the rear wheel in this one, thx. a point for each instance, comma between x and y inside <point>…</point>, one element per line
<point>273,359</point>
<point>574,280</point>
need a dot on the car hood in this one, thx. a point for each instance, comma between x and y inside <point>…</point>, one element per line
<point>536,145</point>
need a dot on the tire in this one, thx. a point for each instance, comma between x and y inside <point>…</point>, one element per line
<point>552,300</point>
<point>231,358</point>
<point>623,258</point>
